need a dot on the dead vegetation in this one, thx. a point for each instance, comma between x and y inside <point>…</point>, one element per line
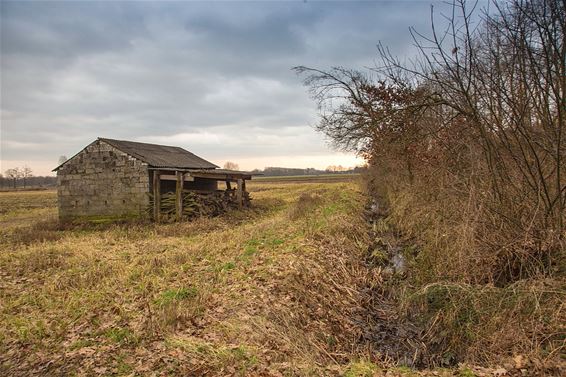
<point>305,203</point>
<point>266,291</point>
<point>467,153</point>
<point>278,289</point>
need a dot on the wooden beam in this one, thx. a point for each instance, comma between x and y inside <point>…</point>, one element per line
<point>173,177</point>
<point>221,177</point>
<point>243,190</point>
<point>179,197</point>
<point>239,195</point>
<point>211,173</point>
<point>156,196</point>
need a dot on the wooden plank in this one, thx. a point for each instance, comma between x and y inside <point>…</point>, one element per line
<point>156,195</point>
<point>168,177</point>
<point>179,196</point>
<point>239,196</point>
<point>221,177</point>
<point>205,191</point>
<point>173,177</point>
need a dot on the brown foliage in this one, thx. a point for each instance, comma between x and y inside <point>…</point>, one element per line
<point>467,147</point>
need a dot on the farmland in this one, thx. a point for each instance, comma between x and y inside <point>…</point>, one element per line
<point>278,289</point>
<point>308,178</point>
<point>268,290</point>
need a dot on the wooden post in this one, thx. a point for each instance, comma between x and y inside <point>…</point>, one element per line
<point>239,195</point>
<point>156,195</point>
<point>228,187</point>
<point>179,198</point>
<point>243,190</point>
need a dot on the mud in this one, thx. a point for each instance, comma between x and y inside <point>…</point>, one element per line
<point>384,328</point>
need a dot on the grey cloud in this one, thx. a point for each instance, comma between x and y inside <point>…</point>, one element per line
<point>144,70</point>
<point>68,29</point>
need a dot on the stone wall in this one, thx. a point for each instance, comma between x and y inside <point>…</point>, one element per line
<point>100,182</point>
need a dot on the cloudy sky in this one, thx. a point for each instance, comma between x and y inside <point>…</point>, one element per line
<point>212,77</point>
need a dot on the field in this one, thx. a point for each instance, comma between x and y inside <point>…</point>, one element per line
<point>308,178</point>
<point>265,291</point>
<point>282,288</point>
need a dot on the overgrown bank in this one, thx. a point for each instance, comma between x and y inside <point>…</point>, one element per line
<point>466,148</point>
<point>441,314</point>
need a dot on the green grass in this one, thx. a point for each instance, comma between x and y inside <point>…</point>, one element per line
<point>466,372</point>
<point>179,294</point>
<point>120,335</point>
<point>362,369</point>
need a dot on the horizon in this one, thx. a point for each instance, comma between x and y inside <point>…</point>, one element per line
<point>323,163</point>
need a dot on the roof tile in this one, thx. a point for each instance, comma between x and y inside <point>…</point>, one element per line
<point>161,156</point>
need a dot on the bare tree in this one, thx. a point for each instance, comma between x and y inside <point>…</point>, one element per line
<point>484,104</point>
<point>507,80</point>
<point>25,173</point>
<point>368,117</point>
<point>62,159</point>
<point>231,165</point>
<point>14,174</point>
<point>335,168</point>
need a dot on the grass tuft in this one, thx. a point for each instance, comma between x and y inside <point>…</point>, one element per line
<point>172,295</point>
<point>361,369</point>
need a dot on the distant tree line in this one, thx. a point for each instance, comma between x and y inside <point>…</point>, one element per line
<point>273,171</point>
<point>23,177</point>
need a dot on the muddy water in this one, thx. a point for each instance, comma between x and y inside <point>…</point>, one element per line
<point>389,333</point>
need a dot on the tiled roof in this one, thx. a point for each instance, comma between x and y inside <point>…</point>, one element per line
<point>161,156</point>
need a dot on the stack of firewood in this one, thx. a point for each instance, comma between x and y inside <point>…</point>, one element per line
<point>197,204</point>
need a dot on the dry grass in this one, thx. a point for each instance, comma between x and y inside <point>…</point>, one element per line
<point>229,295</point>
<point>12,202</point>
<point>269,291</point>
<point>22,208</point>
<point>459,290</point>
<point>322,178</point>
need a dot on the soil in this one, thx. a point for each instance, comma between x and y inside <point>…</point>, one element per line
<point>389,333</point>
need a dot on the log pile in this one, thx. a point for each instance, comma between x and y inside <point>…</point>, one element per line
<point>197,204</point>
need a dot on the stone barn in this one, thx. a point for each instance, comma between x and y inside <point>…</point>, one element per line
<point>116,179</point>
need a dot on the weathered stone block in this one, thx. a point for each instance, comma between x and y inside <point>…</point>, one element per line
<point>102,180</point>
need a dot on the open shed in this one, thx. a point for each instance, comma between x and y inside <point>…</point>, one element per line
<point>117,178</point>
